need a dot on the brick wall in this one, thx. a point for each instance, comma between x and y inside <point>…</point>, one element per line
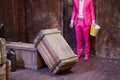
<point>23,19</point>
<point>42,14</point>
<point>13,20</point>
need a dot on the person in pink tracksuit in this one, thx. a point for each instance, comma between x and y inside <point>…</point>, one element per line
<point>83,16</point>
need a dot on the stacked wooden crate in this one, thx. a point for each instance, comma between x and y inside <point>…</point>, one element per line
<point>55,51</point>
<point>5,71</point>
<point>26,55</point>
<point>5,65</point>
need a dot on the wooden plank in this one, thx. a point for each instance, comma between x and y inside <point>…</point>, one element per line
<point>3,72</point>
<point>49,47</point>
<point>8,70</point>
<point>45,52</point>
<point>21,46</point>
<point>65,65</point>
<point>2,51</point>
<point>45,55</point>
<point>58,69</point>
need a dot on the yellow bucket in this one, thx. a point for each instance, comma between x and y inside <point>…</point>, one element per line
<point>94,30</point>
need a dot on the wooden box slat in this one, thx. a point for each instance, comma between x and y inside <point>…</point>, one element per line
<point>46,55</point>
<point>26,54</point>
<point>3,72</point>
<point>58,44</point>
<point>65,65</point>
<point>21,46</point>
<point>8,70</point>
<point>55,51</point>
<point>2,51</point>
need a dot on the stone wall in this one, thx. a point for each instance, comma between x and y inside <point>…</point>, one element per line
<point>108,17</point>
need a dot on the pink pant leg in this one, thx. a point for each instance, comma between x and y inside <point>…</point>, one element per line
<point>78,39</point>
<point>81,28</point>
<point>86,31</point>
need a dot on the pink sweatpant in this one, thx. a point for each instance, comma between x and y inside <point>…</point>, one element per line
<point>82,30</point>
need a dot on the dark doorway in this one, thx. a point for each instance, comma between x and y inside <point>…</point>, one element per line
<point>68,33</point>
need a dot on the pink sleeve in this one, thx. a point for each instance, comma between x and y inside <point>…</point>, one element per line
<point>92,10</point>
<point>73,13</point>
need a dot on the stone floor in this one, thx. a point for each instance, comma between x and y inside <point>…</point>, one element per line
<point>95,68</point>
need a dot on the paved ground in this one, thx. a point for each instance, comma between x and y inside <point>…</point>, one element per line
<point>94,69</point>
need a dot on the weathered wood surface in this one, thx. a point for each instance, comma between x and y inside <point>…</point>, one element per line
<point>42,33</point>
<point>2,51</point>
<point>26,55</point>
<point>64,65</point>
<point>55,50</point>
<point>8,70</point>
<point>3,72</point>
<point>21,46</point>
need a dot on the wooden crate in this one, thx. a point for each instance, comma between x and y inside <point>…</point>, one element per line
<point>55,51</point>
<point>8,70</point>
<point>3,72</point>
<point>26,55</point>
<point>2,51</point>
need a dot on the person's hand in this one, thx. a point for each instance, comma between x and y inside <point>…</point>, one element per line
<point>1,25</point>
<point>71,25</point>
<point>93,23</point>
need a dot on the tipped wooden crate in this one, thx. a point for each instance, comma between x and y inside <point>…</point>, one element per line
<point>26,54</point>
<point>3,72</point>
<point>2,51</point>
<point>55,51</point>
